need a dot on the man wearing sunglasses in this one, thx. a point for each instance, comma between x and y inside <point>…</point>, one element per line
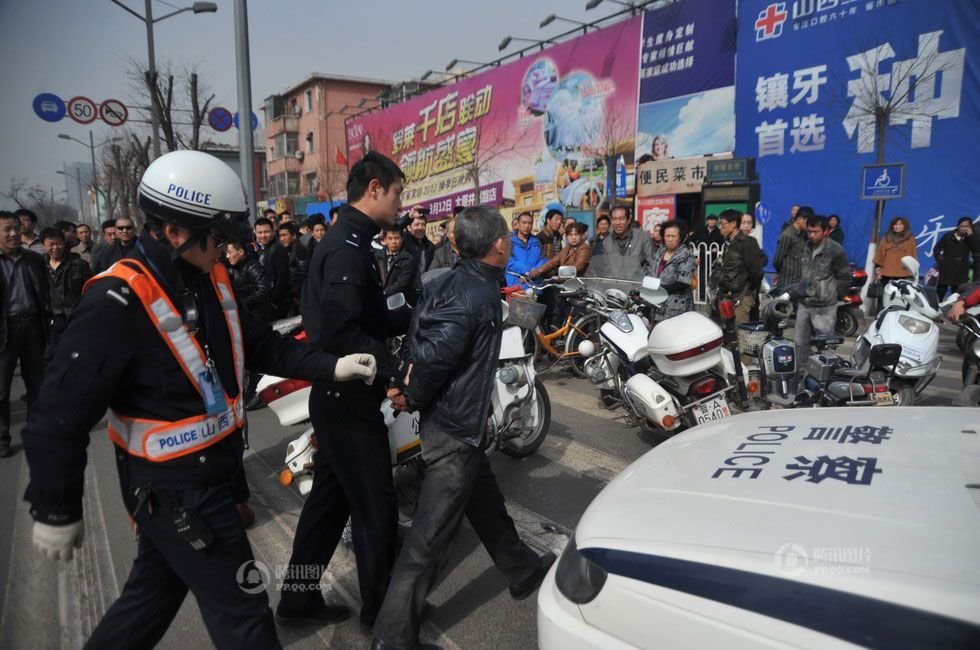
<point>124,245</point>
<point>161,342</point>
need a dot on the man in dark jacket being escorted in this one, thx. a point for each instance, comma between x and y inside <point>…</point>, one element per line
<point>453,347</point>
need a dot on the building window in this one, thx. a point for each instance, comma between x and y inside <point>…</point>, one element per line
<point>287,144</point>
<point>312,185</point>
<point>284,184</point>
<point>309,142</point>
<point>308,96</point>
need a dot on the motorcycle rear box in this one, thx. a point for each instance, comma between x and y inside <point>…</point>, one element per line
<point>685,344</point>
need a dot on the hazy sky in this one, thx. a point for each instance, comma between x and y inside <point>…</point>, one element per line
<point>81,47</point>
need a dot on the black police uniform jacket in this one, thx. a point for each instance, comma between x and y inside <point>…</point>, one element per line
<point>112,355</point>
<point>454,344</point>
<point>343,307</point>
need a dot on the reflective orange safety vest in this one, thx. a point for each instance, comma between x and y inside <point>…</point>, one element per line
<point>162,440</point>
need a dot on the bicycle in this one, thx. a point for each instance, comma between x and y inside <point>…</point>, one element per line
<point>561,344</point>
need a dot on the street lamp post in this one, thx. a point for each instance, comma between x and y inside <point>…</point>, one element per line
<point>246,145</point>
<point>81,203</point>
<point>505,43</point>
<point>148,20</point>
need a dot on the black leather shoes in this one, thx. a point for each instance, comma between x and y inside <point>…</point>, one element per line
<point>529,586</point>
<point>329,615</point>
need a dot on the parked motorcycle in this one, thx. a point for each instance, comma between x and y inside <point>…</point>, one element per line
<point>666,379</point>
<point>909,317</point>
<point>850,312</point>
<point>831,380</point>
<point>518,422</point>
<point>776,372</point>
<point>969,326</point>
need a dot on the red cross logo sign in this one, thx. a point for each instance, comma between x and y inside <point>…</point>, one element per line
<point>770,21</point>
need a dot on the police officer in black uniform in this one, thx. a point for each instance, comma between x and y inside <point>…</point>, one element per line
<point>344,311</point>
<point>160,341</point>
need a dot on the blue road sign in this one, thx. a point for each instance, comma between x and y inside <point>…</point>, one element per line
<point>882,182</point>
<point>255,121</point>
<point>220,119</point>
<point>49,107</point>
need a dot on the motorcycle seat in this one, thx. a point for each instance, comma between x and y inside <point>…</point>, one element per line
<point>849,373</point>
<point>821,341</point>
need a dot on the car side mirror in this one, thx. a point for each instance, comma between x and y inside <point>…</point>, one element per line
<point>912,266</point>
<point>396,301</point>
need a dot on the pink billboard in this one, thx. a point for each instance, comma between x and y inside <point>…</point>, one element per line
<point>545,126</point>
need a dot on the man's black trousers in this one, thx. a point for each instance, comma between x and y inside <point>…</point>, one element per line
<point>458,480</point>
<point>25,342</point>
<point>352,478</point>
<point>224,579</point>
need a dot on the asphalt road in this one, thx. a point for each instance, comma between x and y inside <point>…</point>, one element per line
<point>46,604</point>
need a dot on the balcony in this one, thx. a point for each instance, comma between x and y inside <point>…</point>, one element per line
<point>282,124</point>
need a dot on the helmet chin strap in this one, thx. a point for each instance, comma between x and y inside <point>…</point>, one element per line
<point>197,237</point>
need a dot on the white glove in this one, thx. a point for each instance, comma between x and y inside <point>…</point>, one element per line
<point>57,542</point>
<point>356,366</point>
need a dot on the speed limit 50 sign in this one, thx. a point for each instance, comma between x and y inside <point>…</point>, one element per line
<point>82,110</point>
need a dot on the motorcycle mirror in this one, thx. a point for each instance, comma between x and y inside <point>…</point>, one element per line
<point>567,272</point>
<point>650,282</point>
<point>912,266</point>
<point>573,284</point>
<point>396,301</point>
<point>653,296</point>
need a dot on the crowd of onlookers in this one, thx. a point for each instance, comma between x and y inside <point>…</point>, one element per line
<point>268,267</point>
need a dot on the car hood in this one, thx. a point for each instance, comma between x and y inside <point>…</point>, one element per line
<point>874,501</point>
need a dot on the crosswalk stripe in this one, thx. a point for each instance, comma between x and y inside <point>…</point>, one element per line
<point>341,575</point>
<point>583,403</point>
<point>582,459</point>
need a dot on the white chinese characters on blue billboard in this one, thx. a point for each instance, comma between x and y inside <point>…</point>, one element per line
<point>811,72</point>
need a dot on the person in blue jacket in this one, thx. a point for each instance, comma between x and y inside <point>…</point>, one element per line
<point>525,252</point>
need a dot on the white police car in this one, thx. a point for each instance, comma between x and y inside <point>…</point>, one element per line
<point>814,528</point>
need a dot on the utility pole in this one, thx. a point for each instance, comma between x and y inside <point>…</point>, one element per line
<point>152,63</point>
<point>246,145</point>
<point>95,177</point>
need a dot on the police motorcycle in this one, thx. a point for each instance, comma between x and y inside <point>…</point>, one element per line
<point>909,317</point>
<point>668,378</point>
<point>519,418</point>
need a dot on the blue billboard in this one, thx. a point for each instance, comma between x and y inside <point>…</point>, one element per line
<point>687,77</point>
<point>809,75</point>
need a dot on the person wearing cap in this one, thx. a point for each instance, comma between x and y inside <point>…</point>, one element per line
<point>161,342</point>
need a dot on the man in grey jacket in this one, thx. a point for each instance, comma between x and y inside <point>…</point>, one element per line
<point>826,275</point>
<point>627,253</point>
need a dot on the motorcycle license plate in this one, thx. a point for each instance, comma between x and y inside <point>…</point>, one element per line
<point>883,399</point>
<point>714,409</point>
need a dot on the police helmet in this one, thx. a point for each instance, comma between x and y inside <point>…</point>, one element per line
<point>194,190</point>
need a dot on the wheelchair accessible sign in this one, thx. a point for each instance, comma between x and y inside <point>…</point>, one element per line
<point>883,182</point>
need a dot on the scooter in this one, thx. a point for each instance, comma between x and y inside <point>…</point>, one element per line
<point>519,418</point>
<point>667,379</point>
<point>776,373</point>
<point>909,318</point>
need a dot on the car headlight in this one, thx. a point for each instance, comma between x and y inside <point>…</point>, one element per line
<point>914,325</point>
<point>577,578</point>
